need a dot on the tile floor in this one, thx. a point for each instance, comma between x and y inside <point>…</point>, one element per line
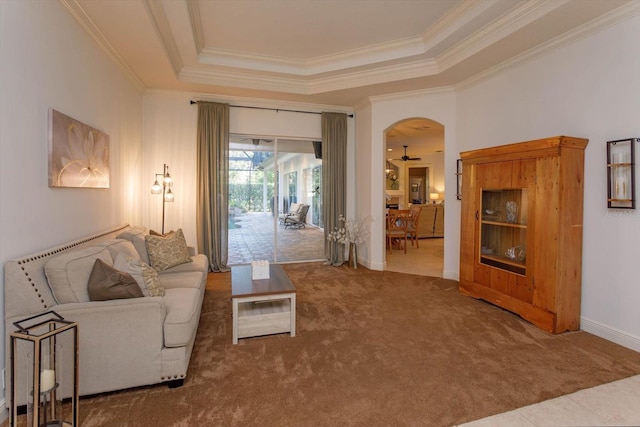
<point>613,404</point>
<point>427,260</point>
<point>252,239</point>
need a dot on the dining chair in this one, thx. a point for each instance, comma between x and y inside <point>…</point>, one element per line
<point>412,227</point>
<point>397,223</point>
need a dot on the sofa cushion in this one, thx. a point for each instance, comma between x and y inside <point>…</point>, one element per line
<point>167,251</point>
<point>136,236</point>
<point>294,208</point>
<point>68,273</point>
<point>181,321</point>
<point>107,283</point>
<point>186,279</point>
<point>115,246</point>
<point>198,262</point>
<point>146,276</point>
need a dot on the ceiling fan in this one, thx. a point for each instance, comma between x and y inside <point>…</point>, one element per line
<point>405,157</point>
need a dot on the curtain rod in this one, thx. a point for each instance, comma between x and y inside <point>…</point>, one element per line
<point>271,109</point>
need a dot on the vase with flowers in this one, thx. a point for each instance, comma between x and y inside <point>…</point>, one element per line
<point>352,233</point>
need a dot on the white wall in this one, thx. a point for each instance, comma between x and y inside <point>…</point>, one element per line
<point>170,123</point>
<point>438,105</point>
<point>587,89</point>
<point>49,61</point>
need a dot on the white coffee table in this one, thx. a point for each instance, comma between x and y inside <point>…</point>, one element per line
<point>262,307</point>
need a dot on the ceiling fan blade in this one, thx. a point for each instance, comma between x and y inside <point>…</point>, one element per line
<point>414,158</point>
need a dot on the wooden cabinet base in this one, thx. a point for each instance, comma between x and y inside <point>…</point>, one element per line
<point>543,319</point>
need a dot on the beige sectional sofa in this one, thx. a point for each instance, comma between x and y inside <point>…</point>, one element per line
<point>123,342</point>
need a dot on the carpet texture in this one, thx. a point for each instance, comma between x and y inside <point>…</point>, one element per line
<point>372,349</point>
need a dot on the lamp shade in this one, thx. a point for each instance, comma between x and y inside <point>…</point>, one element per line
<point>433,196</point>
<point>156,188</point>
<point>168,196</point>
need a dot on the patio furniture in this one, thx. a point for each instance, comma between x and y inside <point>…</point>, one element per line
<point>293,210</point>
<point>299,219</point>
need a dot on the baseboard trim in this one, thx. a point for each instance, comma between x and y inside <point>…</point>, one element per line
<point>451,274</point>
<point>610,334</point>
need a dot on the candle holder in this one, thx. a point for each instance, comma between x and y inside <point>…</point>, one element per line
<point>44,371</point>
<point>621,174</point>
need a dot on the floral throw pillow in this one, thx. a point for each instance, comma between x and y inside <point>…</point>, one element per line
<point>146,276</point>
<point>167,251</point>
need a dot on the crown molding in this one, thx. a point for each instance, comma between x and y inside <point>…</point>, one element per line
<point>497,30</point>
<point>81,17</point>
<point>596,25</point>
<point>453,21</point>
<point>412,94</point>
<point>243,80</point>
<point>397,49</point>
<point>314,86</point>
<point>161,24</point>
<point>378,75</point>
<point>193,8</point>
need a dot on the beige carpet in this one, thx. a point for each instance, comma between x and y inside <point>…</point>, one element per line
<point>373,349</point>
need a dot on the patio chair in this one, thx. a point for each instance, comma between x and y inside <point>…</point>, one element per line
<point>297,220</point>
<point>293,210</point>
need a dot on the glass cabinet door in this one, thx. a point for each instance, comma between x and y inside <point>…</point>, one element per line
<point>503,231</point>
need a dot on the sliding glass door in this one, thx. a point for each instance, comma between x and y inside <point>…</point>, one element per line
<point>274,200</point>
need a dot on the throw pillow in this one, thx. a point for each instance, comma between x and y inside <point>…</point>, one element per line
<point>136,236</point>
<point>107,283</point>
<point>146,277</point>
<point>168,251</point>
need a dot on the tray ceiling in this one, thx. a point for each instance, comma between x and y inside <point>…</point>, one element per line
<point>334,52</point>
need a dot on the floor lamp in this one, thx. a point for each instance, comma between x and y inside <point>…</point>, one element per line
<point>164,189</point>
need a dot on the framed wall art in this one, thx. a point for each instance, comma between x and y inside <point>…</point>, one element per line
<point>78,153</point>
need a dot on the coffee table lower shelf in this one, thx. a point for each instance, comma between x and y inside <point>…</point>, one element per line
<point>264,315</point>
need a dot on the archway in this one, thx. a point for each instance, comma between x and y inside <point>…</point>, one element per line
<point>414,171</point>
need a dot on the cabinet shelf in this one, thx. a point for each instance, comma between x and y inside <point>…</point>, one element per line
<point>504,224</point>
<point>504,260</point>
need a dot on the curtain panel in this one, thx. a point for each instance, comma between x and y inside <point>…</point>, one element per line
<point>334,181</point>
<point>212,183</point>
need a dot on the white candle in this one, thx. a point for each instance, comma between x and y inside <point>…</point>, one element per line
<point>47,380</point>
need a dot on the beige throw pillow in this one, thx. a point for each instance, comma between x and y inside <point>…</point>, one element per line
<point>167,251</point>
<point>146,277</point>
<point>107,283</point>
<point>136,236</point>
